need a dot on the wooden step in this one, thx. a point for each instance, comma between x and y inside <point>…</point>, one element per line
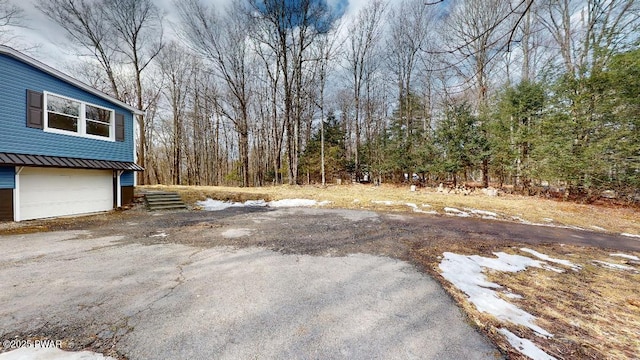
<point>164,201</point>
<point>167,207</point>
<point>164,198</point>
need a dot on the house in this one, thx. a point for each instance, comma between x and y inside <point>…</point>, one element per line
<point>65,148</point>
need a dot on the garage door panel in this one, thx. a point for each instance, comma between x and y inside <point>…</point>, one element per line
<point>48,192</point>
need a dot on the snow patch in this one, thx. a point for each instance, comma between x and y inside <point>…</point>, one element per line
<point>236,233</point>
<point>162,235</point>
<point>551,268</point>
<point>525,346</point>
<point>416,209</point>
<point>483,213</point>
<point>513,296</point>
<point>255,203</point>
<point>598,228</point>
<point>630,257</point>
<point>37,353</point>
<point>456,212</point>
<point>630,235</point>
<point>523,221</point>
<point>287,203</point>
<point>465,272</point>
<point>541,256</point>
<point>413,206</point>
<point>614,266</point>
<point>217,205</point>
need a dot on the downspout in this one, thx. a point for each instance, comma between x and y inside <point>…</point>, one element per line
<point>16,194</point>
<point>118,189</point>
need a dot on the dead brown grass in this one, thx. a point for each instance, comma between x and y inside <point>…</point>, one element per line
<point>357,196</point>
<point>594,313</point>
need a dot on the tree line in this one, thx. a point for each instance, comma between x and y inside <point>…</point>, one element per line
<point>522,93</point>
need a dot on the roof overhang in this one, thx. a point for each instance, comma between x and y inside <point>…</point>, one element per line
<point>11,159</point>
<point>64,77</point>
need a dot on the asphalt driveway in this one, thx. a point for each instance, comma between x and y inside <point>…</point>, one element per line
<point>241,283</point>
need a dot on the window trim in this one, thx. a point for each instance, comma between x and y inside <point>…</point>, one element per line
<point>82,119</point>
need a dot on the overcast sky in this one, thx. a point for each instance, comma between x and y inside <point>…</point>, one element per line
<point>54,48</point>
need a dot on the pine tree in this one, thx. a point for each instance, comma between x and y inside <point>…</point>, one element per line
<point>459,139</point>
<point>514,132</point>
<point>335,153</point>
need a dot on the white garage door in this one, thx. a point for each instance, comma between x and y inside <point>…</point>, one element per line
<point>48,192</point>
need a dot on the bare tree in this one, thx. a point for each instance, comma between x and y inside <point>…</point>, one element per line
<point>176,67</point>
<point>588,33</point>
<point>138,27</point>
<point>207,114</point>
<point>223,41</point>
<point>409,27</point>
<point>115,33</point>
<point>152,118</point>
<point>86,25</point>
<point>268,109</point>
<point>477,30</point>
<point>527,42</point>
<point>10,16</point>
<point>288,28</point>
<point>364,34</point>
<point>325,53</point>
<point>203,143</point>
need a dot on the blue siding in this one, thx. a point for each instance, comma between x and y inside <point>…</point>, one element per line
<point>126,179</point>
<point>7,177</point>
<point>15,78</point>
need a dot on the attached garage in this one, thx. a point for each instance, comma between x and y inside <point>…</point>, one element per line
<point>50,192</point>
<point>39,186</point>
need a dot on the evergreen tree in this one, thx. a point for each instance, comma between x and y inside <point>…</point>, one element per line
<point>460,142</point>
<point>335,153</point>
<point>622,147</point>
<point>590,137</point>
<point>514,131</point>
<point>404,144</point>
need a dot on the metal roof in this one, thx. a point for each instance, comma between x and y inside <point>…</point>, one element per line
<point>64,77</point>
<point>65,162</point>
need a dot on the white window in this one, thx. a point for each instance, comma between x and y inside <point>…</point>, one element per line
<point>74,117</point>
<point>98,121</point>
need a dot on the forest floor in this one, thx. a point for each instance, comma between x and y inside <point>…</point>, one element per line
<point>591,308</point>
